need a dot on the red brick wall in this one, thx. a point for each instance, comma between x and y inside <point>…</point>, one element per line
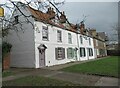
<point>6,61</point>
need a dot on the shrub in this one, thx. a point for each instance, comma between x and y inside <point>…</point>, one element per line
<point>6,48</point>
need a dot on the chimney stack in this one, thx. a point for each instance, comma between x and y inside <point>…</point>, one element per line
<point>51,13</point>
<point>93,32</point>
<point>63,17</point>
<point>82,27</point>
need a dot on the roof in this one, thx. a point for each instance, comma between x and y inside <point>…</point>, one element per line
<point>44,17</point>
<point>102,35</point>
<point>98,35</point>
<point>39,14</point>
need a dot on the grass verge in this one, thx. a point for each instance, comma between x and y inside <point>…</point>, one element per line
<point>7,73</point>
<point>104,67</point>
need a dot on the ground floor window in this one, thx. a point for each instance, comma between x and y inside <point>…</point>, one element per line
<point>102,51</point>
<point>90,51</point>
<point>70,52</point>
<point>82,52</point>
<point>60,53</point>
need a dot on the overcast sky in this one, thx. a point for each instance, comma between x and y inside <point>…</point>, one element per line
<point>100,15</point>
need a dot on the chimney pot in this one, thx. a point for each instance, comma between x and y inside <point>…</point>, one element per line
<point>52,9</point>
<point>63,13</point>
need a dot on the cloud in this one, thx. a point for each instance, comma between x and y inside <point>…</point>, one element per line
<point>101,15</point>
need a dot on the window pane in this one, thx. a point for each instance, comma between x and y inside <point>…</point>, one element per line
<point>60,53</point>
<point>70,52</point>
<point>59,36</point>
<point>89,41</point>
<point>81,40</point>
<point>69,38</point>
<point>45,33</point>
<point>82,52</point>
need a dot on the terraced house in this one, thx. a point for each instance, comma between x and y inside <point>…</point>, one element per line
<point>99,40</point>
<point>50,40</point>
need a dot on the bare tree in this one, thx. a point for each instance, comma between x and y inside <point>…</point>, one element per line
<point>113,37</point>
<point>37,4</point>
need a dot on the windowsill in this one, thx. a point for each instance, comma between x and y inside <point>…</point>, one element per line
<point>82,56</point>
<point>59,41</point>
<point>70,58</point>
<point>90,56</point>
<point>60,58</point>
<point>45,40</point>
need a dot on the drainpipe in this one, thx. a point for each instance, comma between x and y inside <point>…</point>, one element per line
<point>78,44</point>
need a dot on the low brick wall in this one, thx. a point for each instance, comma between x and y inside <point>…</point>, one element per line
<point>6,61</point>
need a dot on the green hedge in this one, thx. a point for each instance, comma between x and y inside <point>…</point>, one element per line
<point>6,48</point>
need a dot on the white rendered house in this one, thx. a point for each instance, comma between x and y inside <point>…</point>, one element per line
<point>46,43</point>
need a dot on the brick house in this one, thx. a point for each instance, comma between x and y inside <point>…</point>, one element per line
<point>99,40</point>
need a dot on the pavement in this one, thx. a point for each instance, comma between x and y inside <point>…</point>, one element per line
<point>55,73</point>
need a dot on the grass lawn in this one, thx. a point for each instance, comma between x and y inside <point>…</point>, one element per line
<point>106,67</point>
<point>37,81</point>
<point>7,73</point>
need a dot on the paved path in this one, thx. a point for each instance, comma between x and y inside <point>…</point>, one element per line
<point>83,79</point>
<point>107,81</point>
<point>72,77</point>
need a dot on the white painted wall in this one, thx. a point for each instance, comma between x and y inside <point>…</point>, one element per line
<point>52,44</point>
<point>86,45</point>
<point>22,53</point>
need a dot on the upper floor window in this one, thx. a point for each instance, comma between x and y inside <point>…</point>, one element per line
<point>89,41</point>
<point>59,36</point>
<point>82,52</point>
<point>44,33</point>
<point>81,40</point>
<point>16,19</point>
<point>69,38</point>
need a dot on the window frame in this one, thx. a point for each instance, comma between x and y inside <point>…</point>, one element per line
<point>70,52</point>
<point>69,38</point>
<point>90,51</point>
<point>58,31</point>
<point>81,39</point>
<point>60,50</point>
<point>45,30</point>
<point>89,41</point>
<point>82,52</point>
